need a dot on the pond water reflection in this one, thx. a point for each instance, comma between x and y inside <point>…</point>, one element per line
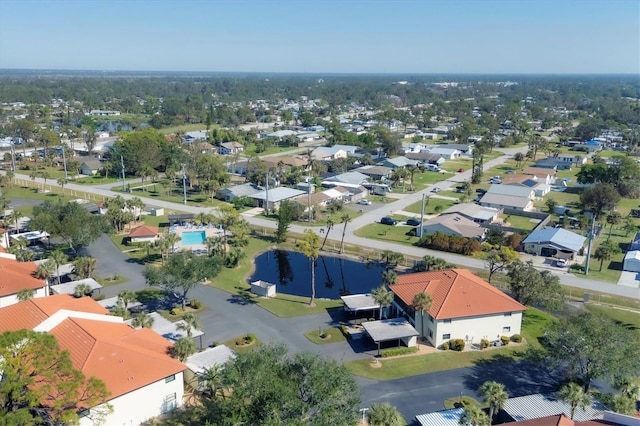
<point>335,276</point>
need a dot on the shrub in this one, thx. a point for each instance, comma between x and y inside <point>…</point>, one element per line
<point>386,353</point>
<point>505,340</point>
<point>445,346</point>
<point>195,304</point>
<point>516,338</point>
<point>456,344</point>
<point>450,243</point>
<point>484,344</point>
<point>345,331</point>
<point>98,296</point>
<point>176,311</point>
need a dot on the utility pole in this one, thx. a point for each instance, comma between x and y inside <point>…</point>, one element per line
<point>64,162</point>
<point>422,215</point>
<point>309,197</point>
<point>124,187</point>
<point>184,183</point>
<point>364,411</point>
<point>591,235</point>
<point>266,196</point>
<point>13,157</point>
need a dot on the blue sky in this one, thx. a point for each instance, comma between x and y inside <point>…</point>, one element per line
<point>323,36</point>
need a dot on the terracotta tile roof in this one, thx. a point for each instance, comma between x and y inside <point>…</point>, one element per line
<point>144,231</point>
<point>16,276</point>
<point>455,293</point>
<point>30,313</point>
<point>125,359</point>
<point>557,420</point>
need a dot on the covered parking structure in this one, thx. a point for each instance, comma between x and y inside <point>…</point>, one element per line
<point>391,329</point>
<point>181,217</point>
<point>360,305</point>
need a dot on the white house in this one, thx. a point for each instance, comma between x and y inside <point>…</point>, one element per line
<point>453,224</point>
<point>512,191</point>
<point>230,148</point>
<point>464,306</point>
<point>474,212</point>
<point>144,233</point>
<point>501,202</point>
<point>326,153</point>
<point>448,153</point>
<point>17,276</point>
<point>143,381</point>
<point>556,242</point>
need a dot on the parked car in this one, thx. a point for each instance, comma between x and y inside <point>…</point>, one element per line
<point>414,221</point>
<point>460,170</point>
<point>436,190</point>
<point>364,202</point>
<point>481,191</point>
<point>561,263</point>
<point>386,220</point>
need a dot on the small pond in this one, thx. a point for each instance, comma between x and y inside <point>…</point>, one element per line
<point>335,276</point>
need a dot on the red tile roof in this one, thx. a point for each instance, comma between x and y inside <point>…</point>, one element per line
<point>455,293</point>
<point>16,276</point>
<point>143,231</point>
<point>125,359</point>
<point>559,420</point>
<point>30,313</point>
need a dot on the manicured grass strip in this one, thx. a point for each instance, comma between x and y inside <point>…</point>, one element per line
<point>285,305</point>
<point>460,402</point>
<point>396,368</point>
<point>242,348</point>
<point>115,279</point>
<point>534,324</point>
<point>332,335</point>
<point>626,318</point>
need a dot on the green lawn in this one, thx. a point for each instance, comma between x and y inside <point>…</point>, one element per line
<point>111,280</point>
<point>251,150</point>
<point>521,222</point>
<point>628,318</point>
<point>431,205</point>
<point>331,335</point>
<point>454,165</point>
<point>183,128</point>
<point>242,348</point>
<point>167,191</point>
<point>534,324</point>
<point>426,178</point>
<point>396,234</point>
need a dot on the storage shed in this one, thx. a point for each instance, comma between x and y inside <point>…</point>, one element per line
<point>632,261</point>
<point>263,288</point>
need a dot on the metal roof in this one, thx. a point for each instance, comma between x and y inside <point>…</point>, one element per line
<point>359,302</point>
<point>168,329</point>
<point>70,287</point>
<point>441,418</point>
<point>558,237</point>
<point>389,329</point>
<point>208,358</point>
<point>538,405</point>
<point>278,194</point>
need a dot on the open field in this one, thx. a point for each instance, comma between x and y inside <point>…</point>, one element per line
<point>431,205</point>
<point>396,234</point>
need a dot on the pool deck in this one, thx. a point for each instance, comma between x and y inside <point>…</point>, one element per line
<point>209,231</point>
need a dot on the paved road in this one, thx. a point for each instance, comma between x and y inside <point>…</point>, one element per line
<point>373,215</point>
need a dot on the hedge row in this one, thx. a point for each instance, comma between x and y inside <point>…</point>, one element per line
<point>386,353</point>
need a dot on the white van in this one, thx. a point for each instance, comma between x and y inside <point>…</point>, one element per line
<point>433,167</point>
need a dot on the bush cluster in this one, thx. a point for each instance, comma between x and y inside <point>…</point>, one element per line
<point>516,338</point>
<point>445,346</point>
<point>484,344</point>
<point>246,339</point>
<point>386,353</point>
<point>345,331</point>
<point>450,243</point>
<point>195,304</point>
<point>98,296</point>
<point>456,345</point>
<point>505,340</point>
<point>176,311</point>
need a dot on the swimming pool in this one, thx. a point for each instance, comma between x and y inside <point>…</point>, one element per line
<point>192,238</point>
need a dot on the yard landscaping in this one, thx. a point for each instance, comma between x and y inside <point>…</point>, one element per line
<point>327,335</point>
<point>431,205</point>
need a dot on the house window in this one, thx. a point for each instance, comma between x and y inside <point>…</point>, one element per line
<point>169,403</point>
<point>83,413</point>
<point>508,314</point>
<point>430,318</point>
<point>170,378</point>
<point>447,321</point>
<point>431,334</point>
<point>446,336</point>
<point>506,329</point>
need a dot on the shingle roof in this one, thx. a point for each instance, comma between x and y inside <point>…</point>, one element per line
<point>144,231</point>
<point>505,200</point>
<point>471,210</point>
<point>278,194</point>
<point>455,293</point>
<point>16,276</point>
<point>457,224</point>
<point>29,313</point>
<point>558,237</point>
<point>510,190</point>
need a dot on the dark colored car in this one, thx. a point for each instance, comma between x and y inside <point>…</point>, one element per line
<point>481,191</point>
<point>414,221</point>
<point>460,170</point>
<point>388,221</point>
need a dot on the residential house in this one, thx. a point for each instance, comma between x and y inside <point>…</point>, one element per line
<point>398,162</point>
<point>410,147</point>
<point>328,153</point>
<point>144,234</point>
<point>547,176</point>
<point>198,364</point>
<point>143,381</point>
<point>447,153</point>
<point>17,276</point>
<point>576,160</point>
<point>352,178</point>
<point>474,212</point>
<point>275,196</point>
<point>202,148</point>
<point>542,409</point>
<point>90,166</point>
<point>541,189</point>
<point>463,306</point>
<point>426,158</point>
<point>308,137</point>
<point>323,198</point>
<point>70,286</point>
<point>349,149</point>
<point>501,202</point>
<point>465,148</point>
<point>554,242</point>
<point>230,148</point>
<point>512,191</point>
<point>288,162</point>
<point>453,224</point>
<point>197,135</point>
<point>240,167</point>
<point>238,191</point>
<point>375,172</point>
<point>562,162</point>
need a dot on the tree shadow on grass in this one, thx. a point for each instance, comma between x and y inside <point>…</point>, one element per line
<point>243,298</point>
<point>518,377</point>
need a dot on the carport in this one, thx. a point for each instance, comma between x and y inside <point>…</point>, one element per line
<point>359,303</point>
<point>182,217</point>
<point>391,329</point>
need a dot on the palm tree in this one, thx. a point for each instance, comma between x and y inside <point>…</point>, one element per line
<point>344,219</point>
<point>45,271</point>
<point>84,266</point>
<point>126,297</point>
<point>25,294</point>
<point>310,247</point>
<point>189,323</point>
<point>613,218</point>
<point>574,395</point>
<point>412,169</point>
<point>421,302</point>
<point>173,239</point>
<point>494,396</point>
<point>82,290</point>
<point>473,416</point>
<point>143,320</point>
<point>58,258</point>
<point>383,297</point>
<point>183,348</point>
<point>13,219</point>
<point>62,182</point>
<point>209,380</point>
<point>385,414</point>
<point>326,235</point>
<point>214,245</point>
<point>164,247</point>
<point>389,277</point>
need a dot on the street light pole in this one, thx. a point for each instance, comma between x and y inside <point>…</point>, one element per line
<point>13,157</point>
<point>591,235</point>
<point>184,183</point>
<point>364,411</point>
<point>124,186</point>
<point>64,162</point>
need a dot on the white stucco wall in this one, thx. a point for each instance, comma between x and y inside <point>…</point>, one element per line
<point>142,404</point>
<point>145,239</point>
<point>12,299</point>
<point>473,328</point>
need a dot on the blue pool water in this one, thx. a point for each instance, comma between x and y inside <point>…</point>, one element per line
<point>192,238</point>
